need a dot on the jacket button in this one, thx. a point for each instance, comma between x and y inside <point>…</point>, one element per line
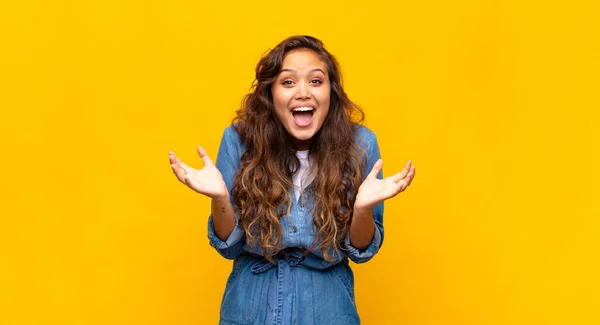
<point>302,204</point>
<point>294,229</point>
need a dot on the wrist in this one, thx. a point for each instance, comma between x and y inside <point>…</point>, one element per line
<point>221,198</point>
<point>361,210</point>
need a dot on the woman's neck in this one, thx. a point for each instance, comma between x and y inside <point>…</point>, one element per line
<point>302,145</point>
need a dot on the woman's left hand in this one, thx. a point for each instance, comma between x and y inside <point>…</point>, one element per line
<point>373,191</point>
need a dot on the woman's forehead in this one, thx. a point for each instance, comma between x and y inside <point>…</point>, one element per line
<point>303,60</point>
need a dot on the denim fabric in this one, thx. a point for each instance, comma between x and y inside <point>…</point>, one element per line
<point>300,288</point>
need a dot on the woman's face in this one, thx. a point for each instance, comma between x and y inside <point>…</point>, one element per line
<point>301,95</point>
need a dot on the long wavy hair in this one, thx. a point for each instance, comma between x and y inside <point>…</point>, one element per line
<point>262,186</point>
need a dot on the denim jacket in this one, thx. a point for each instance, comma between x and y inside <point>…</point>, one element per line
<point>298,288</point>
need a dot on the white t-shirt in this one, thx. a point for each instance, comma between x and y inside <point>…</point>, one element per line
<point>302,177</point>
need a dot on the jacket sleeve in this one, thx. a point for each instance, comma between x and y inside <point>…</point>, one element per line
<point>373,154</point>
<point>228,162</point>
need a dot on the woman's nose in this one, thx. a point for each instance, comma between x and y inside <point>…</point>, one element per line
<point>302,91</point>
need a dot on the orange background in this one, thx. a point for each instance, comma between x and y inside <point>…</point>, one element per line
<point>496,102</point>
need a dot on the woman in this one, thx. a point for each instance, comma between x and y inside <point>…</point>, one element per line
<point>297,190</point>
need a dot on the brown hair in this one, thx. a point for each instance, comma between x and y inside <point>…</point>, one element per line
<point>262,186</point>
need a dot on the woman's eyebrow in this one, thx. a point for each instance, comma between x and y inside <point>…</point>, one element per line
<point>294,70</point>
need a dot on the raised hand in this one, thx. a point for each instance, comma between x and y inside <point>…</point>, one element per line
<point>372,191</point>
<point>207,181</point>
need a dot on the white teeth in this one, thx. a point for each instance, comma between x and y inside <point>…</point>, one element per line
<point>303,109</point>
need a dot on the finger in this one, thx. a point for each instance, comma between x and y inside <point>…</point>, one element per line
<point>376,169</point>
<point>187,180</point>
<point>395,188</point>
<point>205,157</point>
<point>411,175</point>
<point>405,182</point>
<point>173,162</point>
<point>403,173</point>
<point>179,172</point>
<point>406,169</point>
<point>397,177</point>
<point>182,169</point>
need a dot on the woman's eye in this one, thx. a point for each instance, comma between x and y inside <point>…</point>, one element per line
<point>287,82</point>
<point>316,81</point>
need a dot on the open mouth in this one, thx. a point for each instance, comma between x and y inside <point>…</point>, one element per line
<point>303,115</point>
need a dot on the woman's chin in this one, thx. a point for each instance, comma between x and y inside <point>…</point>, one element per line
<point>304,135</point>
<point>302,139</point>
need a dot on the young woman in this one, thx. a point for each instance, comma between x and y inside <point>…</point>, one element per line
<point>297,190</point>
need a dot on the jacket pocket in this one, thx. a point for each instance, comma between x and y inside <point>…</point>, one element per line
<point>242,293</point>
<point>334,296</point>
<point>344,273</point>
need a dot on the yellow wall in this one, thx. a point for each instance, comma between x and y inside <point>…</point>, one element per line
<point>496,102</point>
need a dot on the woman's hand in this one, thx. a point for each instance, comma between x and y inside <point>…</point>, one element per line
<point>207,181</point>
<point>373,190</point>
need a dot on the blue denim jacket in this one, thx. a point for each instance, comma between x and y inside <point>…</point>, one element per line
<point>299,289</point>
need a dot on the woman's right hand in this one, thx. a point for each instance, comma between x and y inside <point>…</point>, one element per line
<point>207,181</point>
